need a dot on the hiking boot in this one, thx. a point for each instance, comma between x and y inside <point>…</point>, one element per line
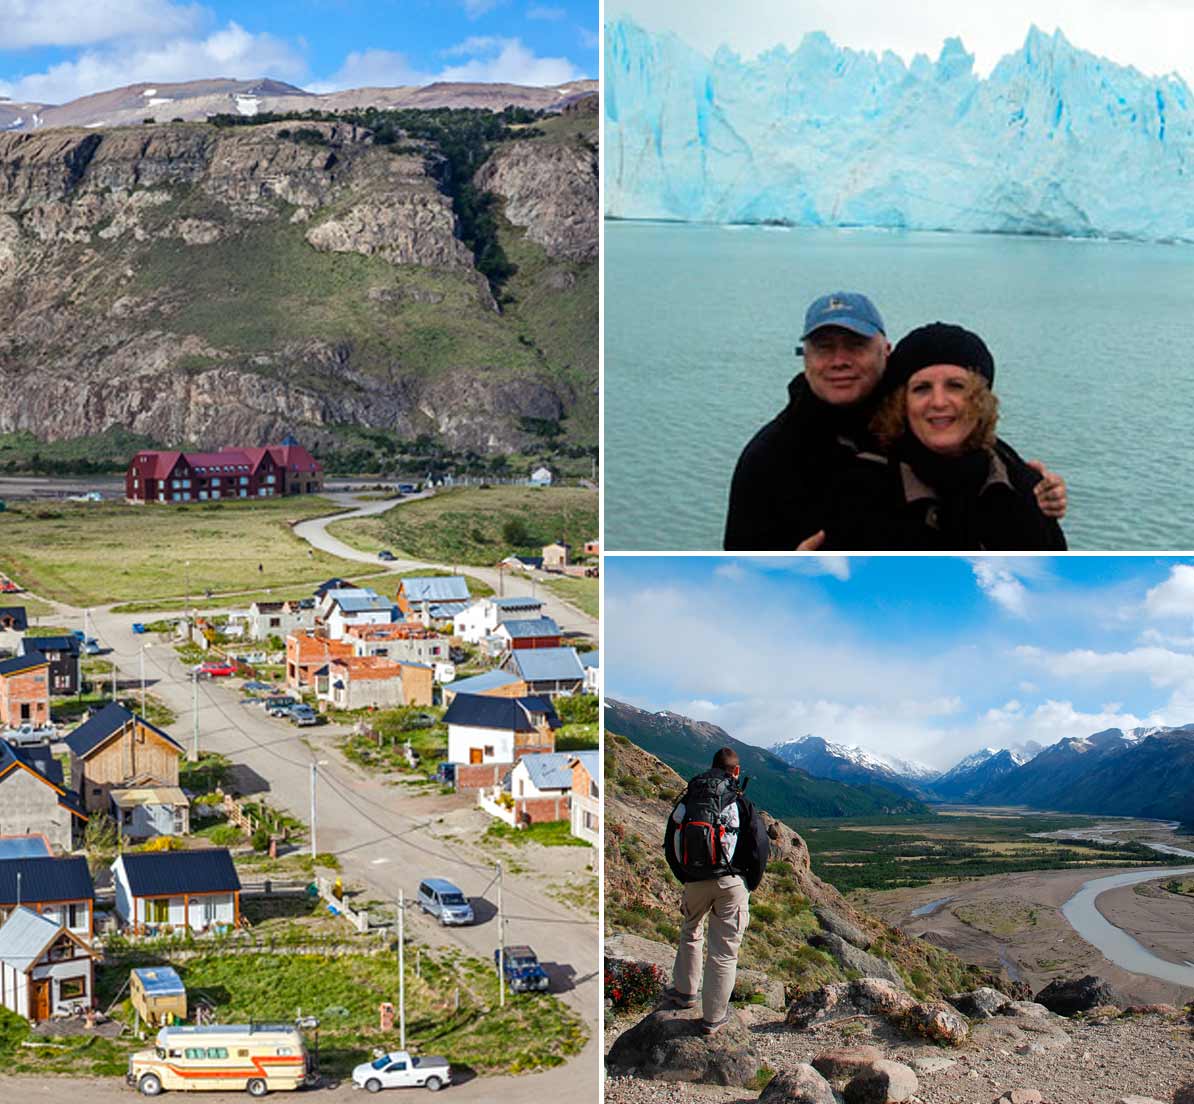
<point>713,1028</point>
<point>675,1000</point>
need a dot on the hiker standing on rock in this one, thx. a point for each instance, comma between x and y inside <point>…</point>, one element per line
<point>716,845</point>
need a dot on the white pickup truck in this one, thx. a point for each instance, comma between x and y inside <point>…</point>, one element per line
<point>400,1070</point>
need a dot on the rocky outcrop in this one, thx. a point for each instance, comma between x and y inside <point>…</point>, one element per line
<point>1068,998</point>
<point>882,1083</point>
<point>851,958</point>
<point>979,1004</point>
<point>551,191</point>
<point>846,999</point>
<point>669,1046</point>
<point>834,922</point>
<point>800,1085</point>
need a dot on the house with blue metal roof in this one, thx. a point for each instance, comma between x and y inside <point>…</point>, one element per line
<point>432,598</point>
<point>496,683</point>
<point>485,730</point>
<point>63,654</point>
<point>60,889</point>
<point>479,619</point>
<point>549,671</point>
<point>340,609</point>
<point>34,798</point>
<point>198,890</point>
<point>45,970</point>
<point>538,632</point>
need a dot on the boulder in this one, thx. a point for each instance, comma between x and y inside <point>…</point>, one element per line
<point>749,982</point>
<point>938,1021</point>
<point>1068,998</point>
<point>1021,1096</point>
<point>883,1083</point>
<point>845,999</point>
<point>845,929</point>
<point>843,1063</point>
<point>851,958</point>
<point>979,1004</point>
<point>1185,1094</point>
<point>931,1063</point>
<point>1139,1100</point>
<point>669,1046</point>
<point>800,1085</point>
<point>1025,1008</point>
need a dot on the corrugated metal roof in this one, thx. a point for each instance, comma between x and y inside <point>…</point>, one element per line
<point>589,760</point>
<point>491,680</point>
<point>521,630</point>
<point>516,603</point>
<point>20,620</point>
<point>435,588</point>
<point>549,771</point>
<point>589,660</point>
<point>160,981</point>
<point>94,731</point>
<point>170,873</point>
<point>45,879</point>
<point>24,847</point>
<point>547,664</point>
<point>45,644</point>
<point>24,936</point>
<point>149,795</point>
<point>21,663</point>
<point>507,714</point>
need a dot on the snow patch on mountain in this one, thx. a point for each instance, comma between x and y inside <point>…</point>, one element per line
<point>852,753</point>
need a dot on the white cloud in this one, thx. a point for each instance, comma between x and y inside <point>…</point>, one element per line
<point>731,570</point>
<point>228,52</point>
<point>1175,596</point>
<point>837,566</point>
<point>1000,584</point>
<point>1153,35</point>
<point>373,69</point>
<point>542,11</point>
<point>508,61</point>
<point>29,23</point>
<point>1163,667</point>
<point>474,9</point>
<point>590,40</point>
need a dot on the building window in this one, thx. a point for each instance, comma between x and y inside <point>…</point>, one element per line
<point>72,916</point>
<point>489,749</point>
<point>244,479</point>
<point>159,910</point>
<point>72,988</point>
<point>215,482</point>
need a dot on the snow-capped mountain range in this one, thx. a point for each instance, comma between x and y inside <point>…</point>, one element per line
<point>805,747</point>
<point>1055,141</point>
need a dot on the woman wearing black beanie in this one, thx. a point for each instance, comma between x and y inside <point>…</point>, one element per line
<point>941,486</point>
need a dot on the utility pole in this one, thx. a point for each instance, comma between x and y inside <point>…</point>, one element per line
<point>143,647</point>
<point>501,944</point>
<point>314,773</point>
<point>195,716</point>
<point>401,971</point>
<point>113,681</point>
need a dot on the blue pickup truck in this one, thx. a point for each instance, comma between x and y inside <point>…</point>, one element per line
<point>523,972</point>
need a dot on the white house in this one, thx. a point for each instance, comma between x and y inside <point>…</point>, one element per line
<point>498,730</point>
<point>541,477</point>
<point>586,797</point>
<point>58,888</point>
<point>338,609</point>
<point>266,619</point>
<point>591,662</point>
<point>198,890</point>
<point>482,618</point>
<point>44,969</point>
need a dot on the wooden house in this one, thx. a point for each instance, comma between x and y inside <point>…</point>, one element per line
<point>44,969</point>
<point>538,632</point>
<point>197,890</point>
<point>115,750</point>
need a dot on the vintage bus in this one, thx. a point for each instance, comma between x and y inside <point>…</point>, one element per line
<point>258,1058</point>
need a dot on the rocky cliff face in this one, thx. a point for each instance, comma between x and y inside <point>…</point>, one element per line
<point>202,285</point>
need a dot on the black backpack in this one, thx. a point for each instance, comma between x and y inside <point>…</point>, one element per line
<point>700,849</point>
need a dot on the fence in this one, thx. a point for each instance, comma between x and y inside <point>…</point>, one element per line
<point>359,920</point>
<point>492,804</point>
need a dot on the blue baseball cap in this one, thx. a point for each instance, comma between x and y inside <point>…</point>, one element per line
<point>849,309</point>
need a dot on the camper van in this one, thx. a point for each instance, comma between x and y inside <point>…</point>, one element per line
<point>258,1058</point>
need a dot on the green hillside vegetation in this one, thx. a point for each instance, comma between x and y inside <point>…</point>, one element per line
<point>884,853</point>
<point>477,525</point>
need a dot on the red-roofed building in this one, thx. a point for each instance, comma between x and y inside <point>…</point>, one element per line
<point>171,476</point>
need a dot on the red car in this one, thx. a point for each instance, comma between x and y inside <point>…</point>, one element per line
<point>217,669</point>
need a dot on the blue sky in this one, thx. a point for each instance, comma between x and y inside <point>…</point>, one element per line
<point>52,51</point>
<point>925,658</point>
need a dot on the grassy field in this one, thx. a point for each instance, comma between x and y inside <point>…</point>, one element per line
<point>477,525</point>
<point>868,853</point>
<point>90,554</point>
<point>244,599</point>
<point>584,594</point>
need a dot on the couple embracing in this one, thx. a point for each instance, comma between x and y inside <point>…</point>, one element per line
<point>889,449</point>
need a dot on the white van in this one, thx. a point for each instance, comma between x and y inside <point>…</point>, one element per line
<point>258,1058</point>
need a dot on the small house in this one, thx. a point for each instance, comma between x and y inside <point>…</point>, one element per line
<point>586,797</point>
<point>34,800</point>
<point>485,732</point>
<point>401,641</point>
<point>278,619</point>
<point>339,609</point>
<point>542,477</point>
<point>548,671</point>
<point>557,555</point>
<point>45,970</point>
<point>196,890</point>
<point>592,548</point>
<point>307,653</point>
<point>541,787</point>
<point>492,684</point>
<point>361,682</point>
<point>116,750</point>
<point>591,662</point>
<point>540,632</point>
<point>479,620</point>
<point>158,995</point>
<point>63,654</point>
<point>25,690</point>
<point>59,889</point>
<point>432,598</point>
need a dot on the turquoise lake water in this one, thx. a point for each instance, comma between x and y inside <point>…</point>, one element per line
<point>1093,344</point>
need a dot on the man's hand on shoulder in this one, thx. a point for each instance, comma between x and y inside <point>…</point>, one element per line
<point>1050,492</point>
<point>817,541</point>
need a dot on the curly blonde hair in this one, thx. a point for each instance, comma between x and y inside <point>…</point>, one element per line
<point>890,421</point>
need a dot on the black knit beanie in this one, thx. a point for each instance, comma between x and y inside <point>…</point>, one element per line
<point>938,343</point>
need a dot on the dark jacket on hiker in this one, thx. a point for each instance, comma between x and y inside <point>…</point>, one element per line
<point>920,501</point>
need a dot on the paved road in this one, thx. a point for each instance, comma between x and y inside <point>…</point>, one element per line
<point>315,532</point>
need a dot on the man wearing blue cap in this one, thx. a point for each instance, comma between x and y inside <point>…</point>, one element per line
<point>777,498</point>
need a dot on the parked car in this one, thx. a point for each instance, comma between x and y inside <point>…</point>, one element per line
<point>216,668</point>
<point>387,555</point>
<point>254,686</point>
<point>302,715</point>
<point>445,901</point>
<point>138,627</point>
<point>90,646</point>
<point>280,706</point>
<point>400,1070</point>
<point>523,973</point>
<point>27,734</point>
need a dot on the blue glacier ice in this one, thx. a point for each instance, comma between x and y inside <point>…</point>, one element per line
<point>1054,141</point>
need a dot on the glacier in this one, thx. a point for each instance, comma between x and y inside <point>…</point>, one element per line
<point>1055,141</point>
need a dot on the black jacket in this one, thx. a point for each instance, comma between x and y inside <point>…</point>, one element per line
<point>783,478</point>
<point>880,502</point>
<point>750,855</point>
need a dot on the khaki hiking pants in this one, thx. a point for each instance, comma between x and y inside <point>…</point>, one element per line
<point>727,903</point>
